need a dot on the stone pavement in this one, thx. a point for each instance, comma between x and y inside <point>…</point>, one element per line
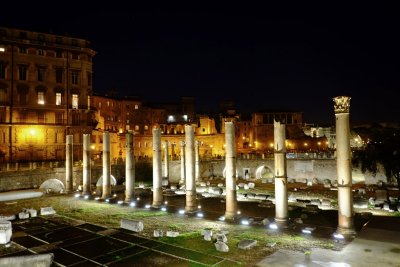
<point>378,245</point>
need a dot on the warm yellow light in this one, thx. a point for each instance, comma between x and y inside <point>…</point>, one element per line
<point>211,146</point>
<point>92,146</point>
<point>271,144</point>
<point>305,144</point>
<point>319,143</point>
<point>32,131</point>
<point>2,49</point>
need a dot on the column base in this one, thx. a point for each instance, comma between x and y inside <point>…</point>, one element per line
<point>190,209</point>
<point>231,216</point>
<point>346,231</point>
<point>282,222</point>
<point>85,193</point>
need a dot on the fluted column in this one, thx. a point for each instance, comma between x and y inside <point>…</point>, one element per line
<point>166,159</point>
<point>230,164</point>
<point>197,160</point>
<point>189,167</point>
<point>106,166</point>
<point>343,163</point>
<point>86,175</point>
<point>281,197</point>
<point>183,174</point>
<point>69,163</point>
<point>157,179</point>
<point>129,168</point>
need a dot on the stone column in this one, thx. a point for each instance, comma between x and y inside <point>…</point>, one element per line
<point>157,179</point>
<point>189,167</point>
<point>86,176</point>
<point>343,163</point>
<point>166,159</point>
<point>69,163</point>
<point>129,168</point>
<point>106,166</point>
<point>197,160</point>
<point>173,151</point>
<point>230,164</point>
<point>183,174</point>
<point>281,197</point>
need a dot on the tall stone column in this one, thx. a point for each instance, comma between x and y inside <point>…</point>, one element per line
<point>197,160</point>
<point>189,167</point>
<point>343,163</point>
<point>157,179</point>
<point>230,164</point>
<point>166,159</point>
<point>281,197</point>
<point>173,151</point>
<point>86,176</point>
<point>129,168</point>
<point>106,166</point>
<point>69,163</point>
<point>183,174</point>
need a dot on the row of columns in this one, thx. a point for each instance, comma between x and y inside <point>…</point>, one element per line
<point>190,168</point>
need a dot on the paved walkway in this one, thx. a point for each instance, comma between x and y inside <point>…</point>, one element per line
<point>377,245</point>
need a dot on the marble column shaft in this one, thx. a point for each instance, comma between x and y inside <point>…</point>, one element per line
<point>197,160</point>
<point>69,163</point>
<point>106,166</point>
<point>183,174</point>
<point>281,197</point>
<point>129,167</point>
<point>166,159</point>
<point>86,175</point>
<point>344,168</point>
<point>230,164</point>
<point>190,170</point>
<point>157,169</point>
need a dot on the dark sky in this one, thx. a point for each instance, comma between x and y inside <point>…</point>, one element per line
<point>262,57</point>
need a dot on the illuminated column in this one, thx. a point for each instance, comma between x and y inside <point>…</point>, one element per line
<point>157,180</point>
<point>189,167</point>
<point>69,163</point>
<point>230,164</point>
<point>86,176</point>
<point>183,175</point>
<point>166,159</point>
<point>106,166</point>
<point>129,168</point>
<point>172,150</point>
<point>197,160</point>
<point>343,164</point>
<point>281,198</point>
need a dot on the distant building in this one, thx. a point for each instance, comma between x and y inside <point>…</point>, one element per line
<point>45,93</point>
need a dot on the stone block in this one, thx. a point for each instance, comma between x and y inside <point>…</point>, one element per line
<point>7,217</point>
<point>221,246</point>
<point>265,221</point>
<point>37,260</point>
<point>132,225</point>
<point>261,196</point>
<point>23,215</point>
<point>32,212</point>
<point>5,232</point>
<point>221,237</point>
<point>247,244</point>
<point>360,203</point>
<point>172,234</point>
<point>47,211</point>
<point>203,184</point>
<point>246,187</point>
<point>158,233</point>
<point>251,185</point>
<point>220,185</point>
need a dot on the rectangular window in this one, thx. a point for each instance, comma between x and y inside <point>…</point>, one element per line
<point>2,70</point>
<point>22,50</point>
<point>75,56</point>
<point>22,69</point>
<point>75,101</point>
<point>41,72</point>
<point>40,52</point>
<point>59,118</point>
<point>41,117</point>
<point>58,99</point>
<point>76,118</point>
<point>59,75</point>
<point>89,78</point>
<point>136,127</point>
<point>3,96</point>
<point>22,98</point>
<point>75,77</point>
<point>59,53</point>
<point>40,98</point>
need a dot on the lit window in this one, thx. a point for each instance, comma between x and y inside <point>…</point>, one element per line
<point>75,100</point>
<point>2,49</point>
<point>41,98</point>
<point>136,127</point>
<point>99,104</point>
<point>108,103</point>
<point>146,127</point>
<point>75,77</point>
<point>185,117</point>
<point>171,118</point>
<point>136,106</point>
<point>88,102</point>
<point>127,121</point>
<point>58,99</point>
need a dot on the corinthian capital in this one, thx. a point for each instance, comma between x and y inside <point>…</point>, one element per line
<point>342,104</point>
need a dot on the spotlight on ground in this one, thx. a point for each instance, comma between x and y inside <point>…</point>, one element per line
<point>338,236</point>
<point>86,197</point>
<point>222,218</point>
<point>163,209</point>
<point>181,211</point>
<point>77,195</point>
<point>96,198</point>
<point>244,222</point>
<point>120,202</point>
<point>273,226</point>
<point>147,206</point>
<point>108,200</point>
<point>308,230</point>
<point>200,215</point>
<point>132,204</point>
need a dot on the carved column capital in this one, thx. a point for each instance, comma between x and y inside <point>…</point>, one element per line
<point>341,104</point>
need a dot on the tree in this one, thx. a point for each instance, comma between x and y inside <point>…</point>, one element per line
<point>383,148</point>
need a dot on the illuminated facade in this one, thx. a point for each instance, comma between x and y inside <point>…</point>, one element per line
<point>45,93</point>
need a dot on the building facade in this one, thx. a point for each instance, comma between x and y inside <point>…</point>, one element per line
<point>45,93</point>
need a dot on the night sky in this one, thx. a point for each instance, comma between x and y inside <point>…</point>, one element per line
<point>276,57</point>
